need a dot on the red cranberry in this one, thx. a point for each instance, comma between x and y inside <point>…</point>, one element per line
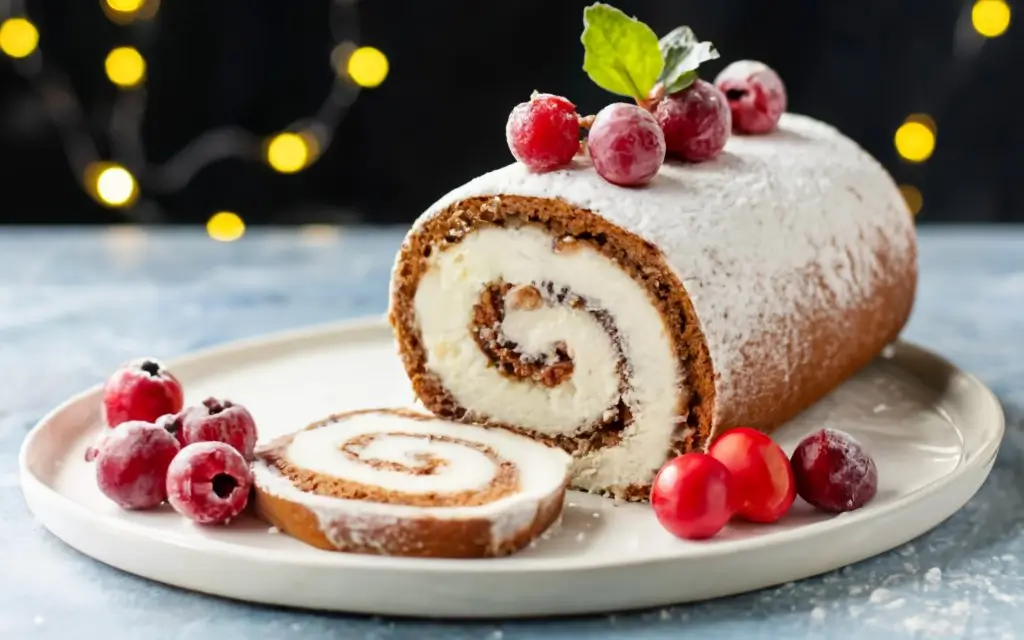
<point>141,390</point>
<point>756,95</point>
<point>217,421</point>
<point>209,482</point>
<point>131,464</point>
<point>544,133</point>
<point>626,144</point>
<point>692,496</point>
<point>763,485</point>
<point>833,471</point>
<point>696,121</point>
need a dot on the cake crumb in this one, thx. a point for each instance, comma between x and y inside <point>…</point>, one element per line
<point>597,514</point>
<point>818,614</point>
<point>525,296</point>
<point>933,575</point>
<point>273,530</point>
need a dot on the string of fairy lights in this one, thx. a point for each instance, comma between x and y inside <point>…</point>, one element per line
<point>915,138</point>
<point>119,181</point>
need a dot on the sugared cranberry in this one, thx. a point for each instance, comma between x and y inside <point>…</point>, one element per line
<point>626,144</point>
<point>544,133</point>
<point>763,484</point>
<point>131,464</point>
<point>209,482</point>
<point>692,496</point>
<point>217,421</point>
<point>141,390</point>
<point>696,121</point>
<point>756,95</point>
<point>834,472</point>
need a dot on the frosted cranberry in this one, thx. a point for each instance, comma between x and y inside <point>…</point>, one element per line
<point>544,133</point>
<point>756,96</point>
<point>141,390</point>
<point>692,496</point>
<point>209,482</point>
<point>217,421</point>
<point>833,471</point>
<point>131,464</point>
<point>626,144</point>
<point>696,121</point>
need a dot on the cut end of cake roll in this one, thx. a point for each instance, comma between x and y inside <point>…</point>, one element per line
<point>400,483</point>
<point>543,318</point>
<point>627,326</point>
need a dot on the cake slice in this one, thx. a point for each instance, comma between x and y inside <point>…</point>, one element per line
<point>400,483</point>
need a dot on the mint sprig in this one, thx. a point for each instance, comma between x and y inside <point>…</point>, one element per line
<point>683,53</point>
<point>620,54</point>
<point>624,56</point>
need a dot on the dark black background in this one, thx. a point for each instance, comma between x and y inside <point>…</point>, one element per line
<point>457,68</point>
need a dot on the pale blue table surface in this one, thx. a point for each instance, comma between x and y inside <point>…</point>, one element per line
<point>74,304</point>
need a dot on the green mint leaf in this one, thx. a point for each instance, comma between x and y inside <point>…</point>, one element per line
<point>682,53</point>
<point>620,54</point>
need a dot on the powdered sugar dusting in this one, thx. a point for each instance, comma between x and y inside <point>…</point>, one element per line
<point>778,226</point>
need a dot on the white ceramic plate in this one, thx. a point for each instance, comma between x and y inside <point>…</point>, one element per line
<point>934,432</point>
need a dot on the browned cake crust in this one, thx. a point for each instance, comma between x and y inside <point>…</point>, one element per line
<point>424,536</point>
<point>829,352</point>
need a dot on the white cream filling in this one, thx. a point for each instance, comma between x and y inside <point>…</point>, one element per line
<point>544,472</point>
<point>444,301</point>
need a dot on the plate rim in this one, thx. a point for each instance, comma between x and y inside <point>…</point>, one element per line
<point>36,491</point>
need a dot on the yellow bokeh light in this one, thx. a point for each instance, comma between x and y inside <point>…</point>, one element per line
<point>225,226</point>
<point>125,6</point>
<point>115,186</point>
<point>125,66</point>
<point>125,12</point>
<point>367,67</point>
<point>291,152</point>
<point>18,37</point>
<point>914,141</point>
<point>991,18</point>
<point>912,196</point>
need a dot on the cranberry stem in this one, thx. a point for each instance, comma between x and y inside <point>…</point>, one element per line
<point>215,406</point>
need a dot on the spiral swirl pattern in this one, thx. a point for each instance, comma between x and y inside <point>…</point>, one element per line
<point>389,479</point>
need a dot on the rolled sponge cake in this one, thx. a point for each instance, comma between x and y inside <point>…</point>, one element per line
<point>627,326</point>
